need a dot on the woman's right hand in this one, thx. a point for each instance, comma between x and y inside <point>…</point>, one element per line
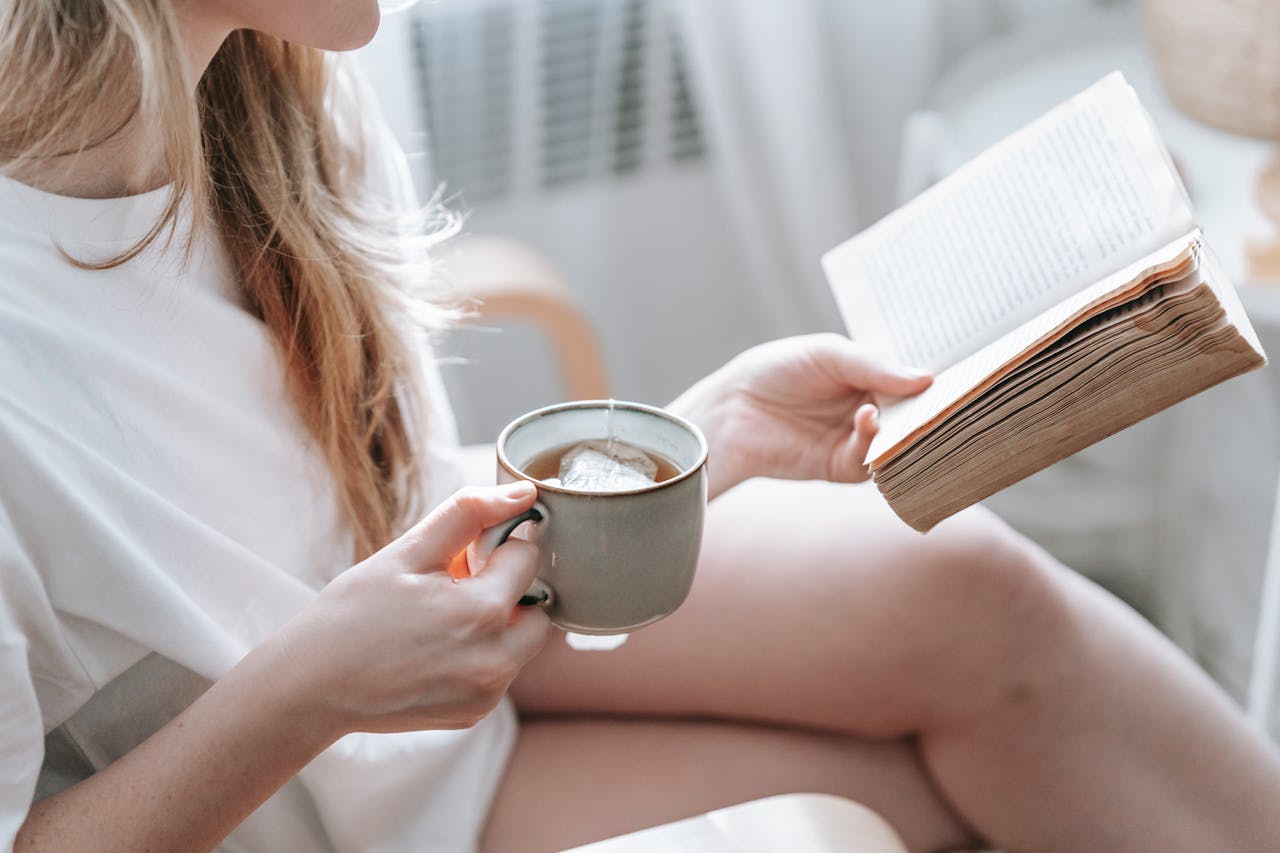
<point>395,644</point>
<point>392,644</point>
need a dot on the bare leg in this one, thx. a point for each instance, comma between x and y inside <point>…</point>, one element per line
<point>1050,716</point>
<point>575,780</point>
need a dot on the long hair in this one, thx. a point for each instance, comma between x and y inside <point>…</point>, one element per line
<point>262,157</point>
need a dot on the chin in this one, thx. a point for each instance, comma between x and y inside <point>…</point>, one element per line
<point>330,25</point>
<point>356,30</point>
<point>362,27</point>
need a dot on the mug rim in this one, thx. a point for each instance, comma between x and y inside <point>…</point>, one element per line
<point>527,417</point>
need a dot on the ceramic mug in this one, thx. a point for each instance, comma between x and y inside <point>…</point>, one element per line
<point>610,561</point>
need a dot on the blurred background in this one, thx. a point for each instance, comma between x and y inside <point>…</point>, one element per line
<point>677,167</point>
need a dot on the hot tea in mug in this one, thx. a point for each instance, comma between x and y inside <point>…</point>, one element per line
<point>619,535</point>
<point>601,465</point>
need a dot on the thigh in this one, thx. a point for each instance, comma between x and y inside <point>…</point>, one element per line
<point>576,780</point>
<point>813,605</point>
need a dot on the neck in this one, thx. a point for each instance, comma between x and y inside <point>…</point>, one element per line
<point>130,161</point>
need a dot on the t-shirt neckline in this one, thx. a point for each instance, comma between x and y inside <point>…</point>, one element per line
<point>67,219</point>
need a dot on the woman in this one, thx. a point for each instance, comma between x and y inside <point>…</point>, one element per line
<point>209,402</point>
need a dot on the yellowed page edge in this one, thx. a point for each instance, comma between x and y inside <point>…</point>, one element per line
<point>904,420</point>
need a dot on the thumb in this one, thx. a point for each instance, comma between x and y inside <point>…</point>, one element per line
<point>848,461</point>
<point>860,369</point>
<point>434,541</point>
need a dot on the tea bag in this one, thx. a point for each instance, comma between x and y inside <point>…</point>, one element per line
<point>606,466</point>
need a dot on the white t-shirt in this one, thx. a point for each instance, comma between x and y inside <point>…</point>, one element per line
<point>162,511</point>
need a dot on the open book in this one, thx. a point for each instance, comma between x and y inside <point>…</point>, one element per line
<point>1057,286</point>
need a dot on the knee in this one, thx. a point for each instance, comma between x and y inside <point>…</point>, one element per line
<point>1000,608</point>
<point>975,558</point>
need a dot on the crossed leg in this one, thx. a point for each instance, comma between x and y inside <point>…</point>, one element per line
<point>951,681</point>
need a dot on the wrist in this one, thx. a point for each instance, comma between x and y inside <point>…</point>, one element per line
<point>290,699</point>
<point>714,405</point>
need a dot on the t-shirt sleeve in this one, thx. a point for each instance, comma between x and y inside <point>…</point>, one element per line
<point>22,732</point>
<point>387,171</point>
<point>33,661</point>
<point>387,177</point>
<point>390,183</point>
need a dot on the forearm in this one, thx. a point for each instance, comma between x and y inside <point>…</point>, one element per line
<point>188,785</point>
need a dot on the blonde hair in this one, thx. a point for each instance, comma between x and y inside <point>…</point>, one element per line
<point>259,157</point>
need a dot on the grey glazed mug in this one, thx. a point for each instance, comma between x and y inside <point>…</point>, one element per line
<point>610,561</point>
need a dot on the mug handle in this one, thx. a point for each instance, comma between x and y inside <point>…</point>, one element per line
<point>489,540</point>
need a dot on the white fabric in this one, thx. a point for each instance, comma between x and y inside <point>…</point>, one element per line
<point>159,495</point>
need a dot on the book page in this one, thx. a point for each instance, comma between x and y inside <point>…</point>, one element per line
<point>1076,195</point>
<point>902,421</point>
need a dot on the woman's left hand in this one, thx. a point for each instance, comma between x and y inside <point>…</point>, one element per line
<point>798,408</point>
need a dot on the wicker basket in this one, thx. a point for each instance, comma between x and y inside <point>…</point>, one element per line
<point>1220,60</point>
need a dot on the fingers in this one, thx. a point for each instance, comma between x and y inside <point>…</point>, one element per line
<point>849,462</point>
<point>450,527</point>
<point>860,369</point>
<point>527,633</point>
<point>508,573</point>
<point>521,631</point>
